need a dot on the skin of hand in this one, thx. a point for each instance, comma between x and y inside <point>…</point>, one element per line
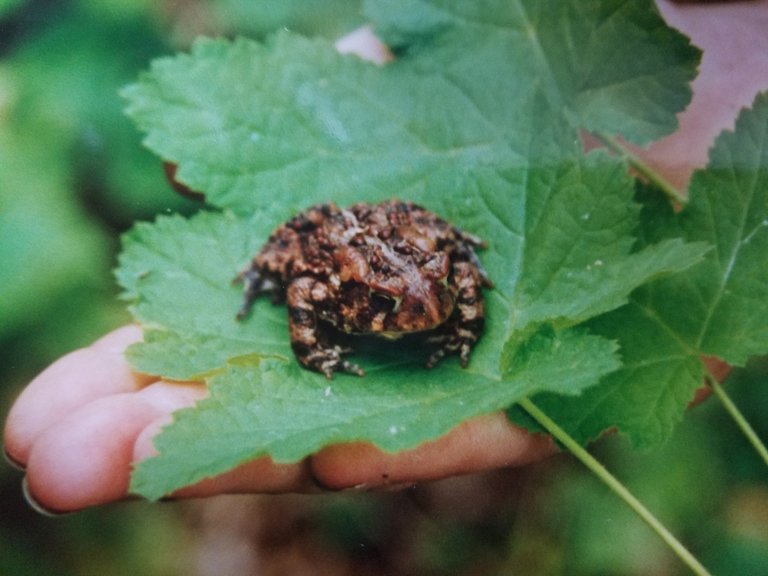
<point>78,428</point>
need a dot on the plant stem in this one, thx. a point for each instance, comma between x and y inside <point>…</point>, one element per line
<point>739,418</point>
<point>613,483</point>
<point>644,169</point>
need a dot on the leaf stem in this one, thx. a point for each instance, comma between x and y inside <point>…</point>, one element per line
<point>739,418</point>
<point>644,169</point>
<point>614,484</point>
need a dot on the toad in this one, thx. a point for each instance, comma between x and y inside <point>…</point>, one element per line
<point>385,269</point>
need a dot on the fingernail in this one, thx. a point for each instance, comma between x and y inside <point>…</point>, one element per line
<point>36,506</point>
<point>12,461</point>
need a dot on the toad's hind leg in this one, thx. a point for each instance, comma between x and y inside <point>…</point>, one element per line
<point>309,344</point>
<point>463,329</point>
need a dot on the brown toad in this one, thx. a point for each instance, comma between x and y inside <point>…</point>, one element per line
<point>386,269</point>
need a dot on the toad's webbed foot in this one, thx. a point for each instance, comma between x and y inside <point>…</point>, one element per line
<point>459,341</point>
<point>326,360</point>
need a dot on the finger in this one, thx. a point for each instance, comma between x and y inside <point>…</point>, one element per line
<point>480,444</point>
<point>68,384</point>
<point>86,458</point>
<point>261,476</point>
<point>257,476</point>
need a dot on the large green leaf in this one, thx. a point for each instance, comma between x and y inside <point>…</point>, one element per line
<point>268,129</point>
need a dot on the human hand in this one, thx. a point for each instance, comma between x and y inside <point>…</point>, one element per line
<point>79,426</point>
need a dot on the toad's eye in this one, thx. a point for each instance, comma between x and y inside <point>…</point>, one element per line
<point>384,302</point>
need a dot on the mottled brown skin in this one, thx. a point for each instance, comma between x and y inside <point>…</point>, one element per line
<point>386,269</point>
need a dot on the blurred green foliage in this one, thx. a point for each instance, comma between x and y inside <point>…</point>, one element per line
<point>72,171</point>
<point>73,175</point>
<point>8,6</point>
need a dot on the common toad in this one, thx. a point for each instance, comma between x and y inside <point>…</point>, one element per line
<point>385,269</point>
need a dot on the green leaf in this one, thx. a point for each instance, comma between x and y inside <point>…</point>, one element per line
<point>269,129</point>
<point>178,274</point>
<point>716,308</point>
<point>646,398</point>
<point>293,116</point>
<point>278,409</point>
<point>613,65</point>
<point>576,261</point>
<point>720,308</point>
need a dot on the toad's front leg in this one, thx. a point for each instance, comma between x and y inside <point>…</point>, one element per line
<point>305,295</point>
